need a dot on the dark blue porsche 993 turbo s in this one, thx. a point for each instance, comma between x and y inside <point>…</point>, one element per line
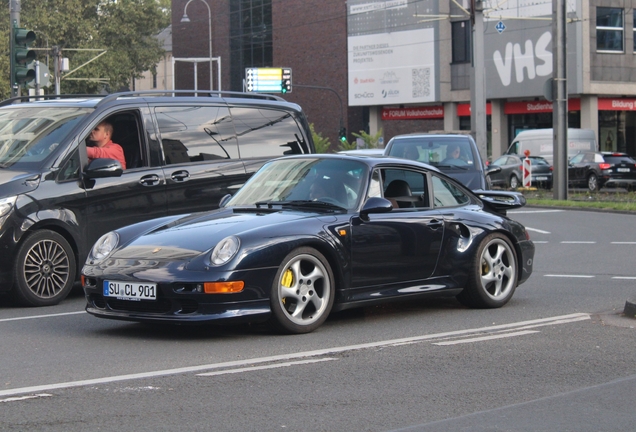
<point>312,234</point>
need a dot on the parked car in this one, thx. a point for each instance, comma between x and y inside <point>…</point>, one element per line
<point>511,173</point>
<point>182,154</point>
<point>595,170</point>
<point>312,234</point>
<point>435,149</point>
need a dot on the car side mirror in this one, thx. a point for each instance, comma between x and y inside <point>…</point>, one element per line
<point>101,168</point>
<point>224,200</point>
<point>375,205</point>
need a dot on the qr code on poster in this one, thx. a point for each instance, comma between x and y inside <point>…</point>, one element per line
<point>421,82</point>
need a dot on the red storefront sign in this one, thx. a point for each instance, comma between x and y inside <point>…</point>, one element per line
<point>534,107</point>
<point>616,104</point>
<point>413,113</point>
<point>463,109</point>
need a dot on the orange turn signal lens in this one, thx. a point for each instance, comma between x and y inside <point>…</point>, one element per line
<point>83,280</point>
<point>223,287</point>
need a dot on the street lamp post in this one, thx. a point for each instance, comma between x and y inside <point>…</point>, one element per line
<point>185,19</point>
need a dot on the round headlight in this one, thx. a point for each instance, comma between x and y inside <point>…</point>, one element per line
<point>225,250</point>
<point>104,246</point>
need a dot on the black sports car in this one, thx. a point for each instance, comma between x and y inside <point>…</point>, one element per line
<point>313,234</point>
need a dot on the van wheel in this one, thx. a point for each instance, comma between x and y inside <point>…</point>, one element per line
<point>44,269</point>
<point>592,183</point>
<point>514,182</point>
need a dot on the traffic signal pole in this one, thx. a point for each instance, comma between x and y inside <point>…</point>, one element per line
<point>14,21</point>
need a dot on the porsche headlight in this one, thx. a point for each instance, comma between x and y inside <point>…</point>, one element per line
<point>6,204</point>
<point>225,250</point>
<point>103,247</point>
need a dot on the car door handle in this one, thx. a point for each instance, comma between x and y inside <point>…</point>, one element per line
<point>180,176</point>
<point>435,223</point>
<point>149,180</point>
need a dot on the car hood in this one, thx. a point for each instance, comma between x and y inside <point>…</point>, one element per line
<point>193,235</point>
<point>18,182</point>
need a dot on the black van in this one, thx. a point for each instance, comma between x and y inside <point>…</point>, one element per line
<point>184,151</point>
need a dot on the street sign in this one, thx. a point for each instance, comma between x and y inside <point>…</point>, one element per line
<point>500,27</point>
<point>268,80</point>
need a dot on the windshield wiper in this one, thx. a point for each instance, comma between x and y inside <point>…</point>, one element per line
<point>300,203</point>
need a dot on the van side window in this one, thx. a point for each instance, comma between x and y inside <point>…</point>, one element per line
<point>126,134</point>
<point>267,132</point>
<point>196,133</point>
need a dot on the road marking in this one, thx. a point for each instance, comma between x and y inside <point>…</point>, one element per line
<point>621,243</point>
<point>42,316</point>
<point>569,276</point>
<point>534,211</point>
<point>538,230</point>
<point>21,398</point>
<point>485,338</point>
<point>537,241</point>
<point>624,277</point>
<point>272,366</point>
<point>578,242</point>
<point>563,319</point>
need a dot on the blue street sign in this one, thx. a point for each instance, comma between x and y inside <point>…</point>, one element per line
<point>500,27</point>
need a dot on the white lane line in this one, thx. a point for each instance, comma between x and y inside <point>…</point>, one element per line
<point>21,398</point>
<point>623,243</point>
<point>42,316</point>
<point>485,338</point>
<point>538,230</point>
<point>578,242</point>
<point>272,366</point>
<point>570,276</point>
<point>542,242</point>
<point>624,277</point>
<point>305,354</point>
<point>534,211</point>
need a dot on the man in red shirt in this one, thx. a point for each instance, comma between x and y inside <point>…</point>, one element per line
<point>104,147</point>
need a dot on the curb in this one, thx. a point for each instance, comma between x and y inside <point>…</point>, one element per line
<point>630,309</point>
<point>590,209</point>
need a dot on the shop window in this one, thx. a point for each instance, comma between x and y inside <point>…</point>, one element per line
<point>609,29</point>
<point>461,41</point>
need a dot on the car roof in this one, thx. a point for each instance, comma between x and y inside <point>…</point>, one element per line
<point>370,160</point>
<point>436,134</point>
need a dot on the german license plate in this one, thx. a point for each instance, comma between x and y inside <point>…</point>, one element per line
<point>541,178</point>
<point>622,169</point>
<point>135,291</point>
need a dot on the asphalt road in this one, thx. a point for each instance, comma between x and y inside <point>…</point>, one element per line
<point>559,356</point>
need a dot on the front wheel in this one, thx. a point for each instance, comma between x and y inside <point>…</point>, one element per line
<point>493,276</point>
<point>44,269</point>
<point>303,292</point>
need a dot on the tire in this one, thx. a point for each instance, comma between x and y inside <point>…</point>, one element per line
<point>302,293</point>
<point>592,183</point>
<point>514,182</point>
<point>44,269</point>
<point>493,274</point>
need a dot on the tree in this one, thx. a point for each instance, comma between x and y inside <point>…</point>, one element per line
<point>125,28</point>
<point>320,143</point>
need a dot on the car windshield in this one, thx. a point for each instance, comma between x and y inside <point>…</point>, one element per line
<point>302,181</point>
<point>29,135</point>
<point>445,152</point>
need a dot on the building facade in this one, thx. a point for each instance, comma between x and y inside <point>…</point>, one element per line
<point>162,77</point>
<point>406,65</point>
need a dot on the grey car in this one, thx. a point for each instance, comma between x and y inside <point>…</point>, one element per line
<point>510,174</point>
<point>455,154</point>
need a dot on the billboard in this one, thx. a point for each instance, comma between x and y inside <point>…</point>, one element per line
<point>392,52</point>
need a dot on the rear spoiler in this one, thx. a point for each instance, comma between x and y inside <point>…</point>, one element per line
<point>501,201</point>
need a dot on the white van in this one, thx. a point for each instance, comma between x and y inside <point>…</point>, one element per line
<point>540,142</point>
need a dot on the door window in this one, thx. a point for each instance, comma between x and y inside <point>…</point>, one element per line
<point>447,194</point>
<point>196,134</point>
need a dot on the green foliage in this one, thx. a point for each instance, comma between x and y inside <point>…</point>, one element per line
<point>321,143</point>
<point>370,141</point>
<point>124,28</point>
<point>346,145</point>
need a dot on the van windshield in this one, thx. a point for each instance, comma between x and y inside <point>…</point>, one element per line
<point>28,136</point>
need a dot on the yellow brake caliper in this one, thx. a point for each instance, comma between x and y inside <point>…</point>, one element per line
<point>287,281</point>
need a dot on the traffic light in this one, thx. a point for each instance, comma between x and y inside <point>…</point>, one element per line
<point>22,69</point>
<point>343,134</point>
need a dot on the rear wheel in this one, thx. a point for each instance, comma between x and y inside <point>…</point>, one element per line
<point>514,182</point>
<point>493,276</point>
<point>44,269</point>
<point>303,292</point>
<point>592,183</point>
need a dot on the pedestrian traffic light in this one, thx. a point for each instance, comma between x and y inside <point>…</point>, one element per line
<point>22,69</point>
<point>343,134</point>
